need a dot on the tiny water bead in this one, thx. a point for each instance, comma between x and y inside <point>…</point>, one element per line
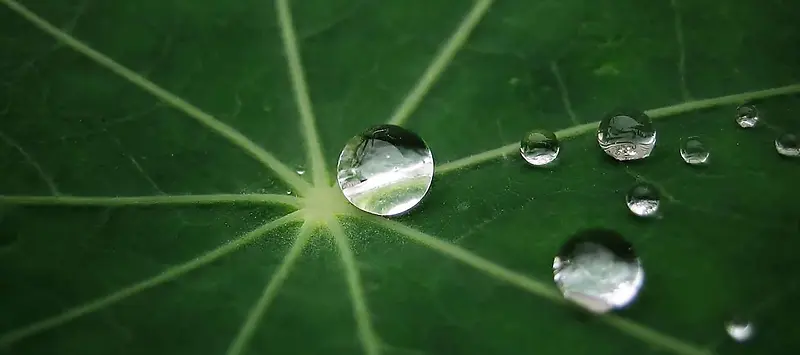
<point>739,330</point>
<point>693,151</point>
<point>598,270</point>
<point>386,170</point>
<point>626,135</point>
<point>788,145</point>
<point>300,171</point>
<point>747,116</point>
<point>643,199</point>
<point>539,148</point>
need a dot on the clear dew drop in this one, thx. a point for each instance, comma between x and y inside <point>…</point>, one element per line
<point>626,135</point>
<point>739,330</point>
<point>694,152</point>
<point>643,199</point>
<point>386,170</point>
<point>788,145</point>
<point>598,270</point>
<point>539,147</point>
<point>300,171</point>
<point>747,116</point>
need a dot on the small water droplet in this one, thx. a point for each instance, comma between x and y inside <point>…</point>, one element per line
<point>539,147</point>
<point>289,192</point>
<point>598,270</point>
<point>739,330</point>
<point>643,199</point>
<point>300,171</point>
<point>386,170</point>
<point>788,145</point>
<point>626,135</point>
<point>693,151</point>
<point>747,116</point>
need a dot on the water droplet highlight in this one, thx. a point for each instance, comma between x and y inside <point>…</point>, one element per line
<point>539,147</point>
<point>643,199</point>
<point>747,116</point>
<point>626,135</point>
<point>693,151</point>
<point>598,270</point>
<point>788,145</point>
<point>300,171</point>
<point>739,330</point>
<point>386,170</point>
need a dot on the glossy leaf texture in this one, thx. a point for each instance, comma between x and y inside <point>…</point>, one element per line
<point>167,175</point>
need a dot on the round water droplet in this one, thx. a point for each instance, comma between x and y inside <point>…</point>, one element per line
<point>693,151</point>
<point>300,171</point>
<point>598,270</point>
<point>747,116</point>
<point>739,330</point>
<point>788,145</point>
<point>627,135</point>
<point>643,199</point>
<point>386,170</point>
<point>539,148</point>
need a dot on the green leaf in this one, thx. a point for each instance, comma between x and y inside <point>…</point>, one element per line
<point>167,172</point>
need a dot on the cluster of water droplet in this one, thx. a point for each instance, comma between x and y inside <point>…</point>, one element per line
<point>387,170</point>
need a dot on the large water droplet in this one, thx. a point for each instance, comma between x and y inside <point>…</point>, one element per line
<point>739,330</point>
<point>627,135</point>
<point>539,147</point>
<point>693,151</point>
<point>747,116</point>
<point>598,270</point>
<point>643,199</point>
<point>788,145</point>
<point>386,170</point>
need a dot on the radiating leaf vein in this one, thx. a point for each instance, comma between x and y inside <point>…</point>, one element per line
<point>533,286</point>
<point>259,309</point>
<point>366,333</point>
<point>574,131</point>
<point>301,95</point>
<point>231,134</point>
<point>165,276</point>
<point>440,62</point>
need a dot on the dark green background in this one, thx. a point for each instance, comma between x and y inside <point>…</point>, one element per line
<point>726,245</point>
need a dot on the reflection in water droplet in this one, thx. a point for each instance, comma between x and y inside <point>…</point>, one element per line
<point>739,330</point>
<point>386,170</point>
<point>598,270</point>
<point>788,145</point>
<point>539,147</point>
<point>627,135</point>
<point>747,116</point>
<point>643,199</point>
<point>693,151</point>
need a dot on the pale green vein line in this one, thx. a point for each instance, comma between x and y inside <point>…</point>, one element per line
<point>562,87</point>
<point>533,286</point>
<point>440,62</point>
<point>578,130</point>
<point>491,268</point>
<point>300,87</point>
<point>259,310</point>
<point>32,162</point>
<point>366,333</point>
<point>681,49</point>
<point>217,126</point>
<point>112,201</point>
<point>651,336</point>
<point>167,275</point>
